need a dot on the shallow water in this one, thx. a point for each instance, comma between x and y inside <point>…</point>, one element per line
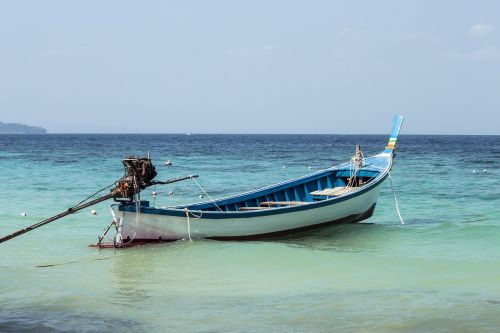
<point>437,273</point>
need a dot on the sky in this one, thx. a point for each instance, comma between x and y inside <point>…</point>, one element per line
<point>330,67</point>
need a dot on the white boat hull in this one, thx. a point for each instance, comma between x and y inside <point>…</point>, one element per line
<point>155,227</point>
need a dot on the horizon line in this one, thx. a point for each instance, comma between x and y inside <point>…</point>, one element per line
<point>194,134</point>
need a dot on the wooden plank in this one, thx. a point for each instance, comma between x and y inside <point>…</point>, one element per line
<point>244,209</point>
<point>282,203</point>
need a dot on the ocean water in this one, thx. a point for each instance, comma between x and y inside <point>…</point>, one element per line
<point>439,272</point>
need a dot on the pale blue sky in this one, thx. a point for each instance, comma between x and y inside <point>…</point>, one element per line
<point>251,66</point>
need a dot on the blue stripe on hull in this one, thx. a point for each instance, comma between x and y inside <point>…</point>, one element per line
<point>237,214</point>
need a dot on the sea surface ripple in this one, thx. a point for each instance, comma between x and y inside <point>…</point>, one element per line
<point>438,272</point>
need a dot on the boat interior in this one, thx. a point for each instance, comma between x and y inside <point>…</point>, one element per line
<point>320,186</point>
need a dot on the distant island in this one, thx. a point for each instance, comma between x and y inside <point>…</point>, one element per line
<point>16,128</point>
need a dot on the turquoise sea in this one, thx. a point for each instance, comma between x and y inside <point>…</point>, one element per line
<point>439,272</point>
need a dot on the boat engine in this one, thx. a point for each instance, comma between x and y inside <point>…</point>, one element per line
<point>139,174</point>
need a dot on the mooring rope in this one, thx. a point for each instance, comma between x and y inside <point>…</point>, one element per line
<point>188,212</point>
<point>188,224</point>
<point>395,200</point>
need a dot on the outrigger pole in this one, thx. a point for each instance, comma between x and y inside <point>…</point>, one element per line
<point>139,174</point>
<point>56,217</point>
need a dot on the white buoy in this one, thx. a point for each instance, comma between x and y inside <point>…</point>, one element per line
<point>485,171</point>
<point>93,212</point>
<point>474,171</point>
<point>200,196</point>
<point>154,194</point>
<point>168,162</point>
<point>170,192</point>
<point>309,167</point>
<point>24,214</point>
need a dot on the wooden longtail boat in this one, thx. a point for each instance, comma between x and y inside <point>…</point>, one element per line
<point>342,194</point>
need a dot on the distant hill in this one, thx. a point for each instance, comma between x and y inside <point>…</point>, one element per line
<point>15,128</point>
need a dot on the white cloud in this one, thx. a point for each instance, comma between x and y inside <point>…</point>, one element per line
<point>480,30</point>
<point>484,54</point>
<point>254,52</point>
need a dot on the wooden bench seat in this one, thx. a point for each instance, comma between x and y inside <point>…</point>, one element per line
<point>333,192</point>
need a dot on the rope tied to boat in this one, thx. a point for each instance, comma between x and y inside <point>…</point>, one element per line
<point>188,212</point>
<point>395,200</point>
<point>188,223</point>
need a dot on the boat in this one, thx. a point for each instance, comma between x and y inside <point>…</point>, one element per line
<point>346,193</point>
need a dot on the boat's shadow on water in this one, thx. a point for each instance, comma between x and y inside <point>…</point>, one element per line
<point>358,237</point>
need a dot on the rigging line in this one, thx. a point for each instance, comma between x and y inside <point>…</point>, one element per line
<point>352,172</point>
<point>396,200</point>
<point>201,188</point>
<point>90,196</point>
<point>179,196</point>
